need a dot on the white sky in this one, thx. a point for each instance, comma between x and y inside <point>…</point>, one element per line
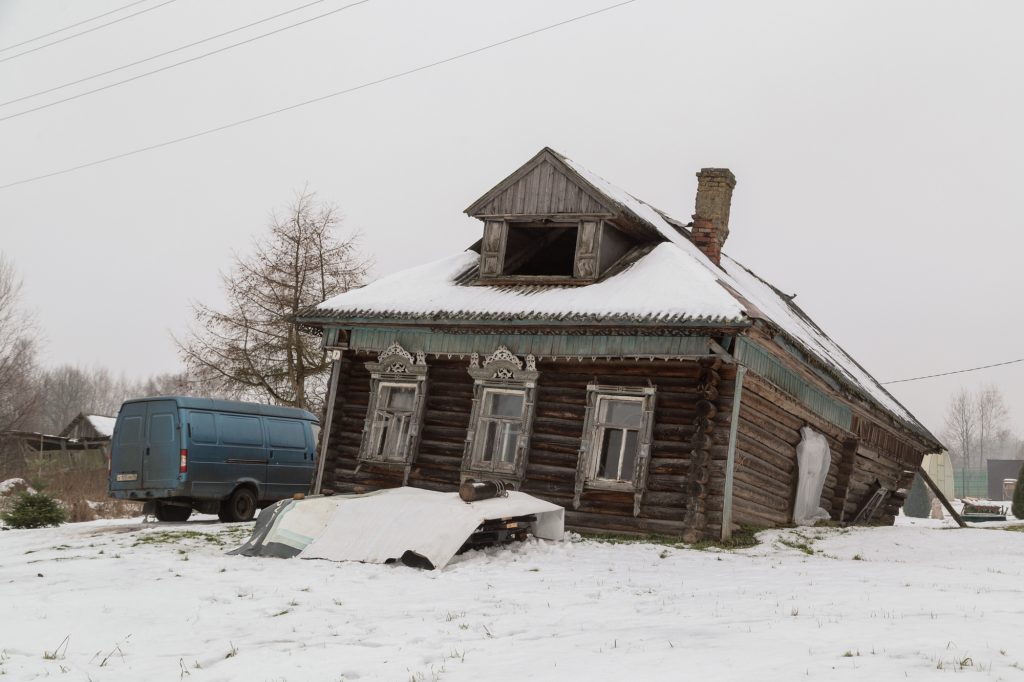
<point>878,148</point>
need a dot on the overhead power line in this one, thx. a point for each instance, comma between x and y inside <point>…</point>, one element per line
<point>175,64</point>
<point>88,30</point>
<point>958,371</point>
<point>338,93</point>
<point>162,54</point>
<point>65,28</point>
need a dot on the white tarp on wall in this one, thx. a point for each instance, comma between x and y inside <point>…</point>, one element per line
<point>813,459</point>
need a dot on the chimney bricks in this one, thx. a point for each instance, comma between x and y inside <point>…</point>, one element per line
<point>711,213</point>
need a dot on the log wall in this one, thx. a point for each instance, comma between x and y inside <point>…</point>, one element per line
<point>555,442</point>
<point>677,496</point>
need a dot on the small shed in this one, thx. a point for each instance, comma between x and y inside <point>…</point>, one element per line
<point>999,470</point>
<point>939,468</point>
<point>90,427</point>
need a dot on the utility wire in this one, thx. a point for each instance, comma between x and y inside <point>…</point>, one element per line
<point>88,30</point>
<point>162,54</point>
<point>84,21</point>
<point>958,371</point>
<point>175,64</point>
<point>297,105</point>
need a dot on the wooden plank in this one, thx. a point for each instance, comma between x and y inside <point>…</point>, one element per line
<point>942,498</point>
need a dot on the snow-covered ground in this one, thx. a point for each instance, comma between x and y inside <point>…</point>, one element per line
<point>122,600</point>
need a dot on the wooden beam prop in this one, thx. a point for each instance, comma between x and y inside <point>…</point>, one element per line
<point>942,498</point>
<point>325,433</point>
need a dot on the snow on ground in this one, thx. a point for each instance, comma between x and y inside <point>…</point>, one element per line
<point>14,485</point>
<point>120,599</point>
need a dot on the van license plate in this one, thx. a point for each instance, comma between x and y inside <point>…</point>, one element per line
<point>127,477</point>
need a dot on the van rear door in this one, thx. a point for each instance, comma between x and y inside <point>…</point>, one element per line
<point>128,448</point>
<point>163,452</point>
<point>290,463</point>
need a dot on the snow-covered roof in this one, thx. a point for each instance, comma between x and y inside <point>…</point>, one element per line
<point>673,283</point>
<point>104,425</point>
<point>685,292</point>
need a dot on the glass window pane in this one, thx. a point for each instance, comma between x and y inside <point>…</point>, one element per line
<point>490,435</point>
<point>505,405</point>
<point>510,438</point>
<point>629,456</point>
<point>130,431</point>
<point>625,413</point>
<point>401,397</point>
<point>395,445</point>
<point>161,428</point>
<point>380,427</point>
<point>203,430</point>
<point>611,446</point>
<point>239,430</point>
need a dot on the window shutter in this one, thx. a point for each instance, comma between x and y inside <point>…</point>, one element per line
<point>523,449</point>
<point>588,241</point>
<point>365,445</point>
<point>583,462</point>
<point>474,416</point>
<point>644,452</point>
<point>492,248</point>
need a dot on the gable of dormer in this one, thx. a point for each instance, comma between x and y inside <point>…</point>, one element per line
<point>547,221</point>
<point>543,186</point>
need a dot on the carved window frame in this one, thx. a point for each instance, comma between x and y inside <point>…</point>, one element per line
<point>395,366</point>
<point>500,371</point>
<point>590,443</point>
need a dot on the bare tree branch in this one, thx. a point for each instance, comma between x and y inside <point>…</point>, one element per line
<point>254,348</point>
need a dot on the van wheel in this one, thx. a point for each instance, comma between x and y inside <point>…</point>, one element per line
<point>241,506</point>
<point>172,512</point>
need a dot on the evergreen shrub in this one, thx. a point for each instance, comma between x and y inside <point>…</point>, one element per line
<point>34,510</point>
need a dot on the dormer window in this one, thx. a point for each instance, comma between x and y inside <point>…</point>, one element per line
<point>537,249</point>
<point>554,251</point>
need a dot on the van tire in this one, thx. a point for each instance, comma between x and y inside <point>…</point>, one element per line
<point>241,506</point>
<point>172,512</point>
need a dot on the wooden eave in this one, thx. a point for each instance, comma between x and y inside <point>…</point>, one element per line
<point>850,394</point>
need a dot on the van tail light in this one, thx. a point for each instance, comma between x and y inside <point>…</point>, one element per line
<point>110,464</point>
<point>183,466</point>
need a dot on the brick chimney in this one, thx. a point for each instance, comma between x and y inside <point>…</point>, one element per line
<point>711,214</point>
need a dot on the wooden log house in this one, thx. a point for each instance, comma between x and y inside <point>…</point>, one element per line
<point>597,353</point>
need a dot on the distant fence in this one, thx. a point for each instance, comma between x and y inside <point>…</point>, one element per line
<point>970,483</point>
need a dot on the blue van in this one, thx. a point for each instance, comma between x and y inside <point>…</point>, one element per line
<point>217,456</point>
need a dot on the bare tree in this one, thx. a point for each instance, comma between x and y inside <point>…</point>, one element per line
<point>18,394</point>
<point>961,426</point>
<point>992,416</point>
<point>255,349</point>
<point>66,391</point>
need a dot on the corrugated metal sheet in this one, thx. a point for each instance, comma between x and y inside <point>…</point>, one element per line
<point>546,345</point>
<point>770,368</point>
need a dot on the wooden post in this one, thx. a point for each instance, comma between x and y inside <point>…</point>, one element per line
<point>325,434</point>
<point>942,498</point>
<point>730,462</point>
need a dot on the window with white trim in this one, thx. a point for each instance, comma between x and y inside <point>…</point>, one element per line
<point>498,429</point>
<point>617,438</point>
<point>397,395</point>
<point>616,443</point>
<point>390,431</point>
<point>498,437</point>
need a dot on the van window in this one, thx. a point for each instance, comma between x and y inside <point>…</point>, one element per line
<point>236,430</point>
<point>203,428</point>
<point>131,430</point>
<point>286,434</point>
<point>161,428</point>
